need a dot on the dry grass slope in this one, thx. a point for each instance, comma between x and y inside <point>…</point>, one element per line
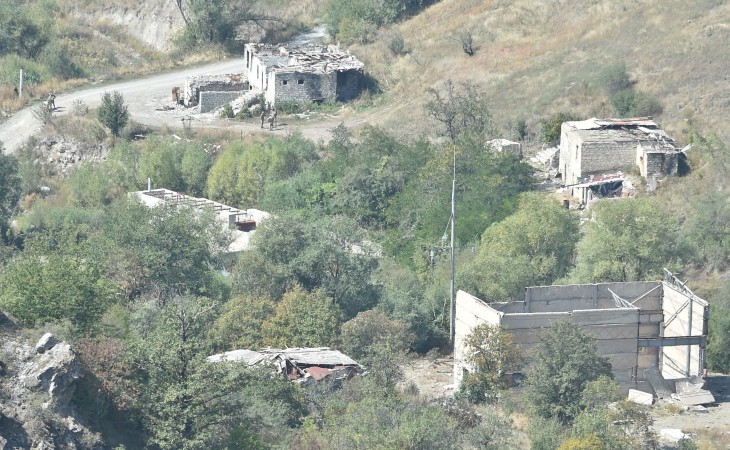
<point>536,58</point>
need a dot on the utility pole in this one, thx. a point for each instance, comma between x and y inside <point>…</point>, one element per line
<point>452,331</point>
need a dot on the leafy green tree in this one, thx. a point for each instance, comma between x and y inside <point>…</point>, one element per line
<point>9,189</point>
<point>565,361</point>
<point>492,354</point>
<point>54,279</point>
<point>551,127</point>
<point>167,249</point>
<point>532,247</point>
<point>240,324</point>
<point>303,319</point>
<point>242,172</point>
<point>615,78</point>
<point>24,28</point>
<point>217,21</point>
<point>186,402</point>
<point>462,110</point>
<point>363,192</point>
<point>707,230</point>
<point>113,113</point>
<point>628,240</point>
<point>718,356</point>
<point>97,185</point>
<point>327,253</point>
<point>352,21</point>
<point>403,298</point>
<point>372,328</point>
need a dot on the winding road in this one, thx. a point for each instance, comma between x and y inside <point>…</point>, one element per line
<point>145,96</point>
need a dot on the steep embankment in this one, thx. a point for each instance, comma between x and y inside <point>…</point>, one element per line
<point>155,22</point>
<point>536,58</point>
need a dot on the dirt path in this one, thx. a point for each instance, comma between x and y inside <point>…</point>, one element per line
<point>145,96</point>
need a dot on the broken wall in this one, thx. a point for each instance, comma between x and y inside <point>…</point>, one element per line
<point>684,315</point>
<point>470,312</point>
<point>301,87</point>
<point>658,164</point>
<point>210,100</point>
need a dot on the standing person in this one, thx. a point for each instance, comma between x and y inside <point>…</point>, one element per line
<point>263,115</point>
<point>271,121</point>
<point>51,102</point>
<point>275,117</point>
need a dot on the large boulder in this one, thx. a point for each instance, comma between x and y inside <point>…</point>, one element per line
<point>55,372</point>
<point>45,343</point>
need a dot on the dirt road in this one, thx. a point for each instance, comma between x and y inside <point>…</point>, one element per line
<point>145,96</point>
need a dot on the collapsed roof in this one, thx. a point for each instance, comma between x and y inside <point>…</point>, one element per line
<point>298,364</point>
<point>640,129</point>
<point>308,58</point>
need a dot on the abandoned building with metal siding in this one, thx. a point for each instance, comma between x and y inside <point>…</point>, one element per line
<point>313,73</point>
<point>638,325</point>
<point>597,146</point>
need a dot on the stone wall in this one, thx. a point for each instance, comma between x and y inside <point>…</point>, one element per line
<point>210,100</point>
<point>301,87</point>
<point>657,164</point>
<point>607,157</point>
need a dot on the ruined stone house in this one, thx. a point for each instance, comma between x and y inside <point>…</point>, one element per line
<point>596,147</point>
<point>312,73</point>
<point>640,326</point>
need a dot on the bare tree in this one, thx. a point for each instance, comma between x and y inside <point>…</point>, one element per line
<point>462,110</point>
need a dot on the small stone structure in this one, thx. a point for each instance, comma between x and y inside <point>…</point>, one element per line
<point>599,146</point>
<point>213,91</point>
<point>638,325</point>
<point>310,73</point>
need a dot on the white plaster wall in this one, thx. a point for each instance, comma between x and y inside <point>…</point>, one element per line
<point>675,359</point>
<point>470,312</point>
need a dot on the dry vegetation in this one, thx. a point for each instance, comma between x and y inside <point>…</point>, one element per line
<point>537,58</point>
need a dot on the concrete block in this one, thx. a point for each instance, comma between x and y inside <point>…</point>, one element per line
<point>640,398</point>
<point>673,434</point>
<point>701,397</point>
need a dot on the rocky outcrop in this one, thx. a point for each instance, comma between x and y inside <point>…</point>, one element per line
<point>36,392</point>
<point>53,371</point>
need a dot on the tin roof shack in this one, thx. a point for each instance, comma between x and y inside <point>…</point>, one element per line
<point>599,146</point>
<point>638,325</point>
<point>213,91</point>
<point>241,223</point>
<point>300,74</point>
<point>301,365</point>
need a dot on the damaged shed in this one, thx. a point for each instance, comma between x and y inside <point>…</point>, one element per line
<point>301,365</point>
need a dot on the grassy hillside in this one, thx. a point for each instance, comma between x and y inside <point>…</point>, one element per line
<point>537,58</point>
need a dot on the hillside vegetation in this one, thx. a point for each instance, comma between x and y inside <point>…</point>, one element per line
<point>538,58</point>
<point>354,255</point>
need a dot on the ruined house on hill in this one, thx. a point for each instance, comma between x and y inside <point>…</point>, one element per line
<point>593,150</point>
<point>311,73</point>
